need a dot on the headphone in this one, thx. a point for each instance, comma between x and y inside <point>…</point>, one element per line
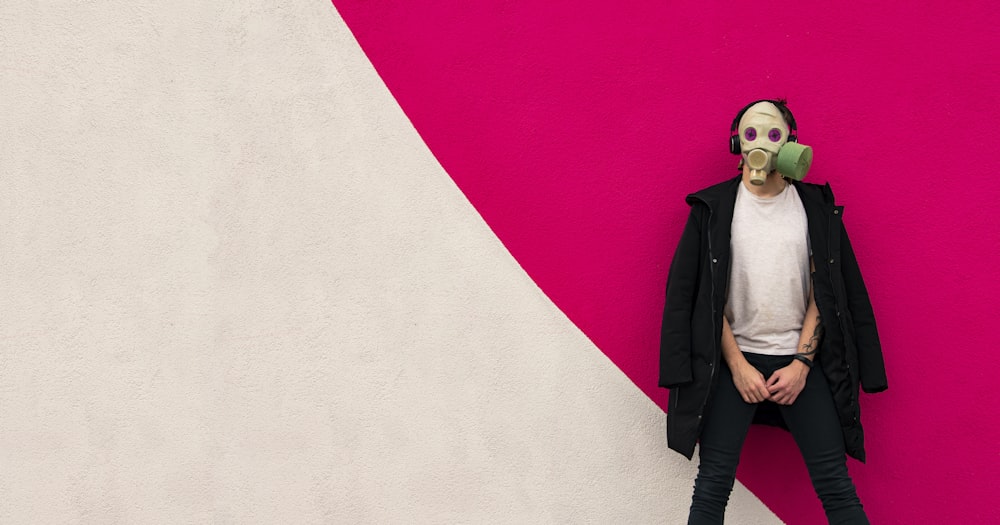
<point>734,137</point>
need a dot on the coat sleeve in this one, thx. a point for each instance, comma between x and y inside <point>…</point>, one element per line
<point>870,360</point>
<point>682,287</point>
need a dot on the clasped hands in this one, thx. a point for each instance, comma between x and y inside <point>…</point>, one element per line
<point>783,387</point>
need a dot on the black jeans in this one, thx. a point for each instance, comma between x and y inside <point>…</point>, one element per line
<point>813,422</point>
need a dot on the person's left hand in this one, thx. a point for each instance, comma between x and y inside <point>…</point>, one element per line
<point>785,384</point>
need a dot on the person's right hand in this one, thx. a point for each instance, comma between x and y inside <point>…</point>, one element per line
<point>749,383</point>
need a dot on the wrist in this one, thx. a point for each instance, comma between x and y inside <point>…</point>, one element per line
<point>803,360</point>
<point>733,357</point>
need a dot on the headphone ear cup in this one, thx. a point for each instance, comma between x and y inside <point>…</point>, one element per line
<point>734,144</point>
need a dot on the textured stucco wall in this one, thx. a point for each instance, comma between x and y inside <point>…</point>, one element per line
<point>253,270</point>
<point>236,287</point>
<point>576,129</point>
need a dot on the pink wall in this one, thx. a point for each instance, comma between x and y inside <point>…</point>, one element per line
<point>577,131</point>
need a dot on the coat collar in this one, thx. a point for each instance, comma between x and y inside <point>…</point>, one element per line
<point>720,199</point>
<point>715,197</point>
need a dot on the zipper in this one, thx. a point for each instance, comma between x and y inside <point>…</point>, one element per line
<point>717,342</point>
<point>836,303</point>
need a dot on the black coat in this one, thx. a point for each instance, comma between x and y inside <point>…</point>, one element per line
<point>690,340</point>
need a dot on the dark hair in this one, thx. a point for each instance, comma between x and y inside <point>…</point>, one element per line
<point>782,105</point>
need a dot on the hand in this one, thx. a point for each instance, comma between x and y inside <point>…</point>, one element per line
<point>785,384</point>
<point>749,383</point>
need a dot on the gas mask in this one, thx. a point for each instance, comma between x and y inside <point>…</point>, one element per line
<point>764,145</point>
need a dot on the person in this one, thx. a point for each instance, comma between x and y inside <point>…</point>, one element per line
<point>766,307</point>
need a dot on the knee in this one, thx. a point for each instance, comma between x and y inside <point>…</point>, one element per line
<point>717,468</point>
<point>714,483</point>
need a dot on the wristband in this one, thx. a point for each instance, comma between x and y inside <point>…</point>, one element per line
<point>799,357</point>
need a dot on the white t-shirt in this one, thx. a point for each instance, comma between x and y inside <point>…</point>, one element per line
<point>769,272</point>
